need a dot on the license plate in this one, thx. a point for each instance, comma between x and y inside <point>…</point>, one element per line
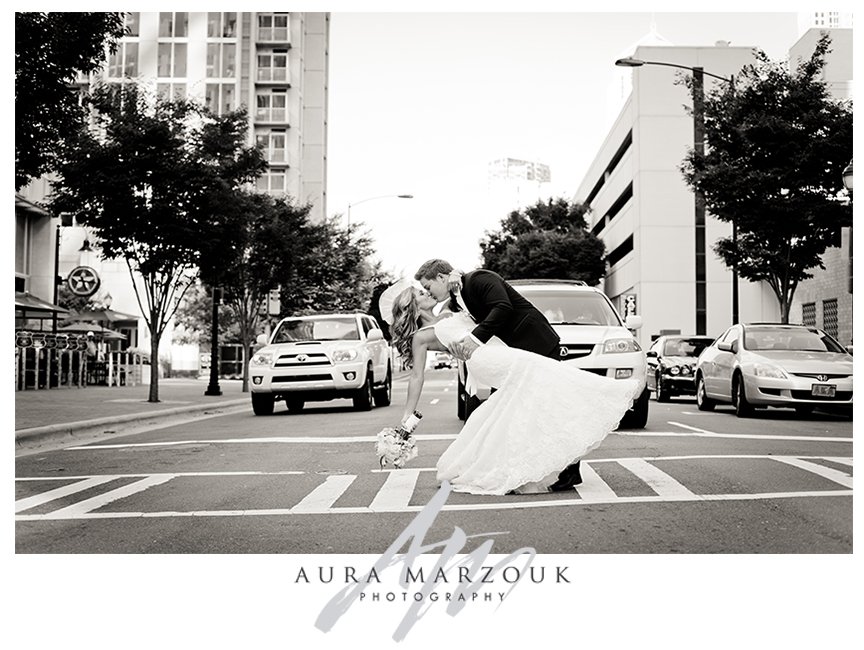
<point>823,390</point>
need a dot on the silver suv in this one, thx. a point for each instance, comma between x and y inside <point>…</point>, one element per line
<point>593,337</point>
<point>322,357</point>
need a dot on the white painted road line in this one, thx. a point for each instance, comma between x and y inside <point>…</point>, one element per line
<point>741,436</point>
<point>305,440</point>
<point>687,426</point>
<point>59,493</point>
<point>435,401</point>
<point>658,480</point>
<point>826,472</point>
<point>593,488</point>
<point>83,507</point>
<point>396,492</point>
<point>322,498</point>
<point>839,461</point>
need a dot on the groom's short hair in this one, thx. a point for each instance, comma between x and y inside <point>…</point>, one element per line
<point>432,268</point>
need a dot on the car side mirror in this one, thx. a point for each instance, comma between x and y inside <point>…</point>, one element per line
<point>651,353</point>
<point>633,322</point>
<point>734,347</point>
<point>262,339</point>
<point>375,335</point>
<point>726,347</point>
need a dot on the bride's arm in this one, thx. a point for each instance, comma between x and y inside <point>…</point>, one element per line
<point>423,340</point>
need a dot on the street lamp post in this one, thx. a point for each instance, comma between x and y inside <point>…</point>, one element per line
<point>847,183</point>
<point>213,387</point>
<point>373,198</point>
<point>699,196</point>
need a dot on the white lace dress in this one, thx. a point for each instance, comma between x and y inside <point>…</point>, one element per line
<point>544,415</point>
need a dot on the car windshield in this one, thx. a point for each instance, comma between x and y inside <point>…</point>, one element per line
<point>787,338</point>
<point>685,347</point>
<point>312,329</point>
<point>571,308</point>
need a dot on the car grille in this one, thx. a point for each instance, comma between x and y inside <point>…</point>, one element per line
<point>302,359</point>
<point>839,396</point>
<point>298,378</point>
<point>597,371</point>
<point>574,350</point>
<point>820,377</point>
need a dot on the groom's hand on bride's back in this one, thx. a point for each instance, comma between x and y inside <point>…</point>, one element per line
<point>454,281</point>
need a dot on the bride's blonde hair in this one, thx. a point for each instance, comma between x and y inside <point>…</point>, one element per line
<point>406,322</point>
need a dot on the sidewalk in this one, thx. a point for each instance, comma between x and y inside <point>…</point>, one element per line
<point>65,410</point>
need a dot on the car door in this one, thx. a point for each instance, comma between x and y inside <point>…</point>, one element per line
<point>377,350</point>
<point>724,363</point>
<point>708,366</point>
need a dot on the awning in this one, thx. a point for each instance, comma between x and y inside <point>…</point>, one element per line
<point>25,302</point>
<point>106,315</point>
<point>91,328</point>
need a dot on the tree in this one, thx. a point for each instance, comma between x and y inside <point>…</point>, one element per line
<point>50,50</point>
<point>777,145</point>
<point>546,241</point>
<point>150,180</point>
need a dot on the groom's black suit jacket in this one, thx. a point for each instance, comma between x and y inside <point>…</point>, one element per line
<point>501,311</point>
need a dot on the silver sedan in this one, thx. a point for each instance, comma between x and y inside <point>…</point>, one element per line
<point>767,364</point>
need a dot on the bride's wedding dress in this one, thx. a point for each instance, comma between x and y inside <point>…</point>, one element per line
<point>544,415</point>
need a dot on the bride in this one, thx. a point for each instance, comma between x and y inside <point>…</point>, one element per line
<point>544,415</point>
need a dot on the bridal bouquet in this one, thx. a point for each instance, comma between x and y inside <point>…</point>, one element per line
<point>395,446</point>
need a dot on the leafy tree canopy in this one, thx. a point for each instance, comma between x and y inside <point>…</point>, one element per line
<point>777,144</point>
<point>50,50</point>
<point>548,240</point>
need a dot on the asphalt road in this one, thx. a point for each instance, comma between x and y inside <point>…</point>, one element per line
<point>691,482</point>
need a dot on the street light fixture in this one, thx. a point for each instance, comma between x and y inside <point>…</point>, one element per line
<point>374,198</point>
<point>699,145</point>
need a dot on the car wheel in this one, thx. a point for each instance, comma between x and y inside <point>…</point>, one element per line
<point>363,398</point>
<point>295,404</point>
<point>804,409</point>
<point>743,408</point>
<point>262,403</point>
<point>637,417</point>
<point>703,402</point>
<point>660,393</point>
<point>384,395</point>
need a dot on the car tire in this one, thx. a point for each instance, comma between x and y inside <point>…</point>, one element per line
<point>637,417</point>
<point>262,403</point>
<point>743,408</point>
<point>703,402</point>
<point>804,409</point>
<point>660,393</point>
<point>363,397</point>
<point>384,395</point>
<point>295,404</point>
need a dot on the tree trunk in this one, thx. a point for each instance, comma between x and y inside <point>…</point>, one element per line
<point>154,368</point>
<point>247,350</point>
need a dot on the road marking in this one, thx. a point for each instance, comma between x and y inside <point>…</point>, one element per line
<point>435,401</point>
<point>306,440</point>
<point>396,492</point>
<point>842,478</point>
<point>83,507</point>
<point>172,474</point>
<point>59,493</point>
<point>325,495</point>
<point>839,461</point>
<point>687,426</point>
<point>593,488</point>
<point>658,480</point>
<point>741,436</point>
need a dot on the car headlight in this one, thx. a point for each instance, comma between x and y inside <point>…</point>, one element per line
<point>344,355</point>
<point>767,370</point>
<point>614,346</point>
<point>674,370</point>
<point>262,359</point>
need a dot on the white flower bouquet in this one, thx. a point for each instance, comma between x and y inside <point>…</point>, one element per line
<point>395,446</point>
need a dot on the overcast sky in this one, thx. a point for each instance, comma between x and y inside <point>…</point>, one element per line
<point>420,103</point>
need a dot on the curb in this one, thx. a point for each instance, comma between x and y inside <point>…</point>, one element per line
<point>71,428</point>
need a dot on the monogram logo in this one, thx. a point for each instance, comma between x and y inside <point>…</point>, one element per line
<point>822,377</point>
<point>302,358</point>
<point>564,351</point>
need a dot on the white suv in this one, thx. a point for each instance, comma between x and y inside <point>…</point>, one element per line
<point>322,357</point>
<point>593,337</point>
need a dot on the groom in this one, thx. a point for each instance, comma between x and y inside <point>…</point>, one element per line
<point>499,310</point>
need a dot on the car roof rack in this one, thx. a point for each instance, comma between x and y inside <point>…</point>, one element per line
<point>542,281</point>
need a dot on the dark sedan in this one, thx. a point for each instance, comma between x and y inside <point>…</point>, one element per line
<point>671,361</point>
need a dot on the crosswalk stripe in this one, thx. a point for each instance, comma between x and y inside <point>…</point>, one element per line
<point>658,480</point>
<point>840,461</point>
<point>325,495</point>
<point>83,507</point>
<point>59,493</point>
<point>397,490</point>
<point>593,488</point>
<point>826,472</point>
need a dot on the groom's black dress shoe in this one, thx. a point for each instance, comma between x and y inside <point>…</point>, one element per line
<point>569,477</point>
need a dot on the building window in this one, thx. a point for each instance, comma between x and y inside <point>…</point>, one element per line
<point>273,66</point>
<point>171,91</point>
<point>271,107</point>
<point>830,321</point>
<point>172,60</point>
<point>274,146</point>
<point>131,21</point>
<point>222,24</point>
<point>273,27</point>
<point>221,59</point>
<point>808,314</point>
<point>173,25</point>
<point>22,244</point>
<point>615,256</point>
<point>124,62</point>
<point>274,181</point>
<point>220,98</point>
